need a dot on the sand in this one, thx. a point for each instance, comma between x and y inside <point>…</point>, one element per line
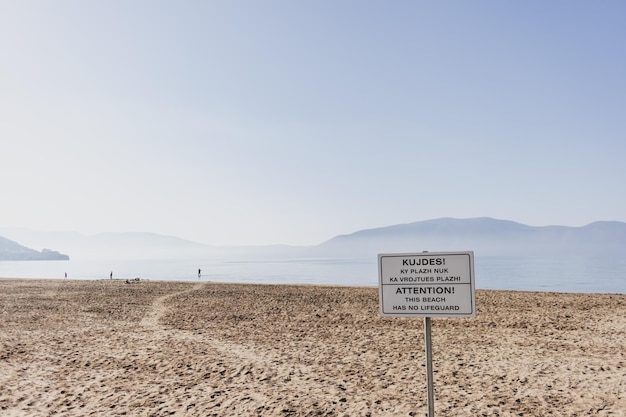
<point>107,348</point>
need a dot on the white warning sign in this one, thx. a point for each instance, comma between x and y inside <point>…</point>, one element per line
<point>428,284</point>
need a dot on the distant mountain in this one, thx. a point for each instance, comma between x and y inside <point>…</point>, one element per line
<point>13,251</point>
<point>129,245</point>
<point>486,236</point>
<point>142,245</point>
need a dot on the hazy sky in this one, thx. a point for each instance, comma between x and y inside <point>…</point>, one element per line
<point>261,122</point>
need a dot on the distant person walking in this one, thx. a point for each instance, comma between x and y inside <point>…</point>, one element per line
<point>66,275</point>
<point>199,273</point>
<point>111,275</point>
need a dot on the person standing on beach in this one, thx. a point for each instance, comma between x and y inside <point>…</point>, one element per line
<point>199,273</point>
<point>111,275</point>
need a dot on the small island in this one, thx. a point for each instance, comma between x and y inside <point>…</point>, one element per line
<point>13,251</point>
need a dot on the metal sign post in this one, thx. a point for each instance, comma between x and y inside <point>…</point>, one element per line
<point>430,401</point>
<point>427,284</point>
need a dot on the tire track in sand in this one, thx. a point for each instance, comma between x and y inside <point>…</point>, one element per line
<point>248,368</point>
<point>159,309</point>
<point>242,359</point>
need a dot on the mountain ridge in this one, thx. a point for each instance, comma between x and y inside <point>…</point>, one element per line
<point>484,235</point>
<point>123,245</point>
<point>13,251</point>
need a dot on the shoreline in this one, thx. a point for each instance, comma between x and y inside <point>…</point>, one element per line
<point>80,347</point>
<point>304,284</point>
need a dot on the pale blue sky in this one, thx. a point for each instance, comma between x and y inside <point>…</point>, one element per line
<point>261,122</point>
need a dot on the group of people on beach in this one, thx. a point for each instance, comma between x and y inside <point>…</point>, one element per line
<point>137,279</point>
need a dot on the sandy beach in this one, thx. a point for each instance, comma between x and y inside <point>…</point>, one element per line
<point>107,348</point>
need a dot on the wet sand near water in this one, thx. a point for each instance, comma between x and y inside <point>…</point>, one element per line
<point>107,348</point>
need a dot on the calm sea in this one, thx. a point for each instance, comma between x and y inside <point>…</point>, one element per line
<point>558,274</point>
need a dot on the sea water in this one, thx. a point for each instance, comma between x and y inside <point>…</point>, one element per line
<point>595,274</point>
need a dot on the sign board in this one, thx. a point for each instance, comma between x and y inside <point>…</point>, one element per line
<point>427,284</point>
